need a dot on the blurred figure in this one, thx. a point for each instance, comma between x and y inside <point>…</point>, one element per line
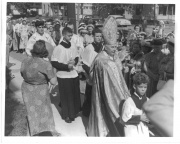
<point>135,34</point>
<point>144,24</point>
<point>23,32</point>
<point>59,21</point>
<point>166,69</point>
<point>15,43</point>
<point>48,23</point>
<point>8,47</point>
<point>32,28</point>
<point>161,29</point>
<point>17,30</point>
<point>89,37</point>
<point>9,29</point>
<point>82,33</point>
<point>160,109</point>
<point>151,65</point>
<point>56,33</point>
<point>120,39</point>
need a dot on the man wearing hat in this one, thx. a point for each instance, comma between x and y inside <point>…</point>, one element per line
<point>151,65</point>
<point>108,87</point>
<point>39,35</point>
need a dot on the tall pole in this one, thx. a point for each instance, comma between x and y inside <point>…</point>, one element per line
<point>154,13</point>
<point>167,13</point>
<point>77,22</point>
<point>82,9</point>
<point>172,13</point>
<point>72,14</point>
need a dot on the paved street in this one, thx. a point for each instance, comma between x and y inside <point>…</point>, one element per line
<point>76,128</point>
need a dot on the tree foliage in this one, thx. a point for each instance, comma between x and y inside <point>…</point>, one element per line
<point>105,9</point>
<point>21,7</point>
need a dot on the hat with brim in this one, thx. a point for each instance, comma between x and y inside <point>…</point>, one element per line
<point>24,20</point>
<point>80,28</point>
<point>90,25</point>
<point>84,30</point>
<point>171,42</point>
<point>57,23</point>
<point>157,42</point>
<point>142,33</point>
<point>82,25</point>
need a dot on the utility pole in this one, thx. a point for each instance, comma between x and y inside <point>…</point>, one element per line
<point>72,14</point>
<point>167,13</point>
<point>154,13</point>
<point>82,9</point>
<point>77,21</point>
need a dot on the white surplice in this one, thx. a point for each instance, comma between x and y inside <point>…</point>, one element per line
<point>129,109</point>
<point>63,55</point>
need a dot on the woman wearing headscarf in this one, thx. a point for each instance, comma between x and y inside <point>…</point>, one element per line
<point>37,73</point>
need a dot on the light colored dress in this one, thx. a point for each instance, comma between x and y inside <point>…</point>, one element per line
<point>36,94</point>
<point>88,39</point>
<point>24,32</point>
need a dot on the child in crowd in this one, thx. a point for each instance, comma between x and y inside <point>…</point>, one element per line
<point>132,113</point>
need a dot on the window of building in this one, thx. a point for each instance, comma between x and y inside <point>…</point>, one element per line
<point>162,9</point>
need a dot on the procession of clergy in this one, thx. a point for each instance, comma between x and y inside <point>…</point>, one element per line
<point>122,74</point>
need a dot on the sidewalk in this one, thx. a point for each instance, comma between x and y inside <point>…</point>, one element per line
<point>76,128</point>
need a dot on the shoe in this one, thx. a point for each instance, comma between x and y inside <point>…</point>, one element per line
<point>67,119</point>
<point>72,119</point>
<point>56,134</point>
<point>12,77</point>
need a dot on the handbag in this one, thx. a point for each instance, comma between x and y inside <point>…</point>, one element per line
<point>162,82</point>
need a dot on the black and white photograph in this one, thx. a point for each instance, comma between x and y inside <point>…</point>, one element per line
<point>75,69</point>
